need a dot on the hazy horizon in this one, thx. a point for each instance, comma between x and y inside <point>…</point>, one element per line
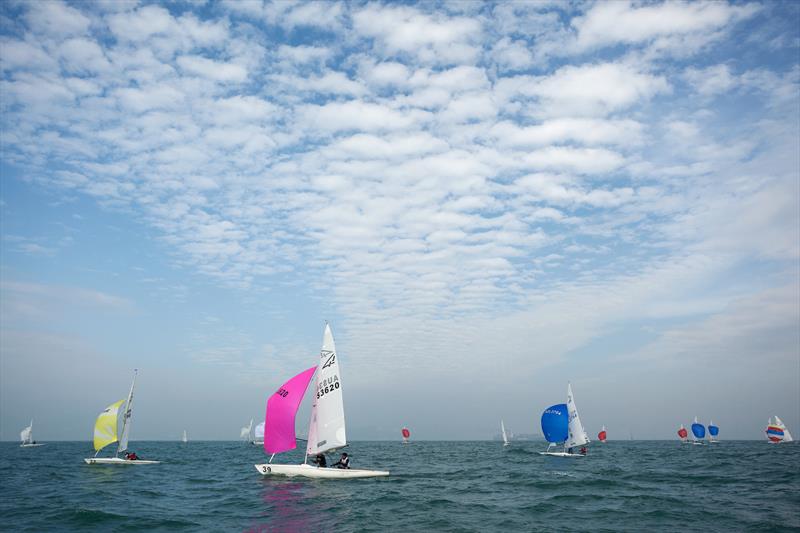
<point>485,200</point>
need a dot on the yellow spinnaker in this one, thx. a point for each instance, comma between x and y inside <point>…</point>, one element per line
<point>105,428</point>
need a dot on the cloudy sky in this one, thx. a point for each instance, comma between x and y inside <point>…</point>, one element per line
<point>486,201</point>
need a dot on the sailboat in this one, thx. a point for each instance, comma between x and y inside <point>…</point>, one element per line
<point>698,432</point>
<point>105,432</point>
<point>561,423</point>
<point>503,433</point>
<point>713,432</point>
<point>776,431</point>
<point>683,434</point>
<point>26,436</point>
<point>184,439</point>
<point>602,435</point>
<point>258,434</point>
<point>326,430</point>
<point>406,434</point>
<point>246,432</point>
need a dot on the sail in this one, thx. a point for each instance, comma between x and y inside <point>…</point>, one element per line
<point>258,432</point>
<point>245,431</point>
<point>698,430</point>
<point>105,427</point>
<point>26,434</point>
<point>282,408</point>
<point>713,430</point>
<point>555,423</point>
<point>184,438</point>
<point>602,435</point>
<point>326,430</point>
<point>406,433</point>
<point>682,433</point>
<point>577,435</point>
<point>787,437</point>
<point>126,418</point>
<point>503,432</point>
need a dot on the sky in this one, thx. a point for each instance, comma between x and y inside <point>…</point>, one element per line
<point>485,200</point>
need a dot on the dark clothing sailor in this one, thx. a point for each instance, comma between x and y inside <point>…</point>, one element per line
<point>320,460</point>
<point>131,456</point>
<point>343,462</point>
<point>584,451</point>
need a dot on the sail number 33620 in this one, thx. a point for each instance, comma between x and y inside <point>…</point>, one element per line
<point>327,389</point>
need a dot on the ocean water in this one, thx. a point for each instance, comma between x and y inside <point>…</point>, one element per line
<point>434,486</point>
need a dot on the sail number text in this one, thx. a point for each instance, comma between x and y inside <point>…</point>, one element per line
<point>327,386</point>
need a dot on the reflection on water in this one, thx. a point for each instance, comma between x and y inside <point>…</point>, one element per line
<point>288,506</point>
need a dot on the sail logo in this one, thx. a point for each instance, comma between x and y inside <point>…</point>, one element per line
<point>330,360</point>
<point>553,412</point>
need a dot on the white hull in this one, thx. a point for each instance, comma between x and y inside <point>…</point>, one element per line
<point>699,443</point>
<point>310,471</point>
<point>32,445</point>
<point>562,454</point>
<point>118,461</point>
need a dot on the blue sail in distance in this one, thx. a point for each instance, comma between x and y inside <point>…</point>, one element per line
<point>698,430</point>
<point>713,430</point>
<point>555,423</point>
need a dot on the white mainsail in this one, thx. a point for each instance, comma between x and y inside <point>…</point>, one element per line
<point>26,435</point>
<point>184,438</point>
<point>503,431</point>
<point>258,433</point>
<point>787,437</point>
<point>326,431</point>
<point>245,432</point>
<point>126,418</point>
<point>577,435</point>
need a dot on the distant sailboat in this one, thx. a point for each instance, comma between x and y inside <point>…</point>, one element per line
<point>406,435</point>
<point>683,434</point>
<point>184,439</point>
<point>26,436</point>
<point>776,431</point>
<point>258,434</point>
<point>326,430</point>
<point>698,432</point>
<point>246,432</point>
<point>503,433</point>
<point>561,423</point>
<point>713,432</point>
<point>105,432</point>
<point>602,435</point>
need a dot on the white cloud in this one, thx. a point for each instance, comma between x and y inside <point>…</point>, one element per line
<point>610,23</point>
<point>215,70</point>
<point>56,19</point>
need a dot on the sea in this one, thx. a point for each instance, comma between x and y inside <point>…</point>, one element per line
<point>433,486</point>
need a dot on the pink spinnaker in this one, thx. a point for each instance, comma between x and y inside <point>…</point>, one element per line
<point>281,410</point>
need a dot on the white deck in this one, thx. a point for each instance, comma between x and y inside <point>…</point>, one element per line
<point>305,470</point>
<point>562,454</point>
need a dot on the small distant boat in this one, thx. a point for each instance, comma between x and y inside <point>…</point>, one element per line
<point>776,431</point>
<point>105,432</point>
<point>326,430</point>
<point>26,436</point>
<point>683,434</point>
<point>258,434</point>
<point>184,439</point>
<point>713,432</point>
<point>503,433</point>
<point>246,432</point>
<point>602,436</point>
<point>698,432</point>
<point>561,423</point>
<point>406,434</point>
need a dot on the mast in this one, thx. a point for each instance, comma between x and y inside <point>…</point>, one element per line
<point>126,427</point>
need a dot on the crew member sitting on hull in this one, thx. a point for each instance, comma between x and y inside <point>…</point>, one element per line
<point>343,462</point>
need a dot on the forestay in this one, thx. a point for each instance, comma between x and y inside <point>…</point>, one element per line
<point>326,430</point>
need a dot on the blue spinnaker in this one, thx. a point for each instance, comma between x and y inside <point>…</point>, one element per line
<point>698,430</point>
<point>713,431</point>
<point>555,423</point>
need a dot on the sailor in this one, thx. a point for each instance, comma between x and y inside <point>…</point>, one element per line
<point>131,456</point>
<point>320,460</point>
<point>569,451</point>
<point>584,451</point>
<point>343,462</point>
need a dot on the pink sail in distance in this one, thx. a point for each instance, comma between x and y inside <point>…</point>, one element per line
<point>281,410</point>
